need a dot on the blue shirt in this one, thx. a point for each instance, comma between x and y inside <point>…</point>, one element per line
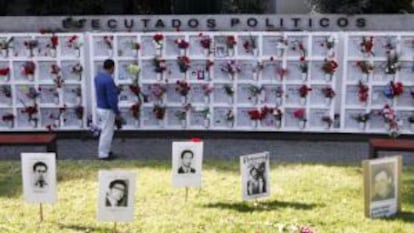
<point>106,92</point>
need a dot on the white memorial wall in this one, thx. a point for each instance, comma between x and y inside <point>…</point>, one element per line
<point>244,81</point>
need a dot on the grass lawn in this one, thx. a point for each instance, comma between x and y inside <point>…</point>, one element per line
<point>326,197</point>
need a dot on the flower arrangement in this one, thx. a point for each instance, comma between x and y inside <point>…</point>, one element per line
<point>365,66</point>
<point>209,64</point>
<point>362,117</point>
<point>279,92</point>
<point>77,69</point>
<point>6,44</point>
<point>30,45</point>
<point>328,92</point>
<point>259,114</point>
<point>9,117</point>
<point>108,41</point>
<point>329,66</point>
<point>231,42</point>
<point>31,112</point>
<point>135,46</point>
<point>303,65</point>
<point>250,45</point>
<point>75,43</point>
<point>159,64</point>
<point>205,42</point>
<point>157,40</point>
<point>329,42</point>
<point>5,72</point>
<point>304,91</point>
<point>6,90</point>
<point>277,114</point>
<point>392,64</point>
<point>77,91</point>
<point>363,92</point>
<point>54,42</point>
<point>391,120</point>
<point>393,89</point>
<point>182,87</point>
<point>182,114</point>
<point>134,69</point>
<point>54,69</point>
<point>58,80</point>
<point>207,89</point>
<point>298,46</point>
<point>58,116</point>
<point>254,91</point>
<point>135,110</point>
<point>29,68</point>
<point>281,45</point>
<point>79,112</point>
<point>157,90</point>
<point>205,112</point>
<point>300,115</point>
<point>282,72</point>
<point>327,120</point>
<point>159,111</point>
<point>229,89</point>
<point>182,44</point>
<point>32,93</point>
<point>229,116</point>
<point>183,63</point>
<point>231,68</point>
<point>367,45</point>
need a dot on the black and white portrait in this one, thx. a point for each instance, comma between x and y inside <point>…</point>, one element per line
<point>187,157</point>
<point>39,177</point>
<point>381,186</point>
<point>116,196</point>
<point>255,175</point>
<point>187,160</point>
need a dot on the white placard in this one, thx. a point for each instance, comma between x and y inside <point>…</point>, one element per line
<point>187,159</point>
<point>255,169</point>
<point>382,186</point>
<point>116,196</point>
<point>39,177</point>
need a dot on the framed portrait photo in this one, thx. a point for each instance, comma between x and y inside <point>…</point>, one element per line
<point>187,159</point>
<point>116,196</point>
<point>255,169</point>
<point>382,183</point>
<point>39,177</point>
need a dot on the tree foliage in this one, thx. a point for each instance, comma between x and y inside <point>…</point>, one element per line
<point>362,6</point>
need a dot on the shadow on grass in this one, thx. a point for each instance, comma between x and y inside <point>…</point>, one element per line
<point>80,228</point>
<point>403,216</point>
<point>260,206</point>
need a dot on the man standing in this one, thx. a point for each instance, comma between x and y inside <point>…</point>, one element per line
<point>107,108</point>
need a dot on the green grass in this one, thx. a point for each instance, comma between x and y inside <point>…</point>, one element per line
<point>326,197</point>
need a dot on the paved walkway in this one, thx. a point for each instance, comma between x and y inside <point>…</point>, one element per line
<point>160,149</point>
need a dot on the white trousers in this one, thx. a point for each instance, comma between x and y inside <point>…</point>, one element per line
<point>106,122</point>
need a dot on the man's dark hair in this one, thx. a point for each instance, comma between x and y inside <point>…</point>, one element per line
<point>39,164</point>
<point>114,182</point>
<point>108,64</point>
<point>187,151</point>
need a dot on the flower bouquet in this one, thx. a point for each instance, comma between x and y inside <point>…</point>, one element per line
<point>390,119</point>
<point>75,43</point>
<point>366,67</point>
<point>298,46</point>
<point>159,113</point>
<point>31,112</point>
<point>183,88</point>
<point>229,90</point>
<point>328,121</point>
<point>32,94</point>
<point>158,91</point>
<point>6,46</point>
<point>363,93</point>
<point>30,46</point>
<point>303,93</point>
<point>5,72</point>
<point>259,67</point>
<point>135,111</point>
<point>182,115</point>
<point>229,117</point>
<point>205,112</point>
<point>205,42</point>
<point>278,116</point>
<point>393,90</point>
<point>230,43</point>
<point>159,66</point>
<point>256,116</point>
<point>281,46</point>
<point>29,69</point>
<point>279,95</point>
<point>182,45</point>
<point>300,115</point>
<point>78,94</point>
<point>56,118</point>
<point>329,68</point>
<point>392,64</point>
<point>282,72</point>
<point>77,69</point>
<point>54,70</point>
<point>108,41</point>
<point>183,63</point>
<point>250,46</point>
<point>52,46</point>
<point>367,45</point>
<point>158,43</point>
<point>135,46</point>
<point>134,70</point>
<point>255,92</point>
<point>362,119</point>
<point>207,75</point>
<point>207,90</point>
<point>329,44</point>
<point>9,119</point>
<point>7,92</point>
<point>80,112</point>
<point>231,68</point>
<point>304,67</point>
<point>329,94</point>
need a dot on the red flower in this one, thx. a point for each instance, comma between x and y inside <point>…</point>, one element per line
<point>231,41</point>
<point>135,89</point>
<point>29,68</point>
<point>304,90</point>
<point>54,40</point>
<point>328,92</point>
<point>330,66</point>
<point>182,44</point>
<point>135,109</point>
<point>182,87</point>
<point>299,114</point>
<point>363,92</point>
<point>255,115</point>
<point>158,37</point>
<point>8,117</point>
<point>397,88</point>
<point>209,65</point>
<point>365,67</point>
<point>5,71</point>
<point>282,72</point>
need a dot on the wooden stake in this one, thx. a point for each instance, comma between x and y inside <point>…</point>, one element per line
<point>186,194</point>
<point>41,213</point>
<point>115,227</point>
